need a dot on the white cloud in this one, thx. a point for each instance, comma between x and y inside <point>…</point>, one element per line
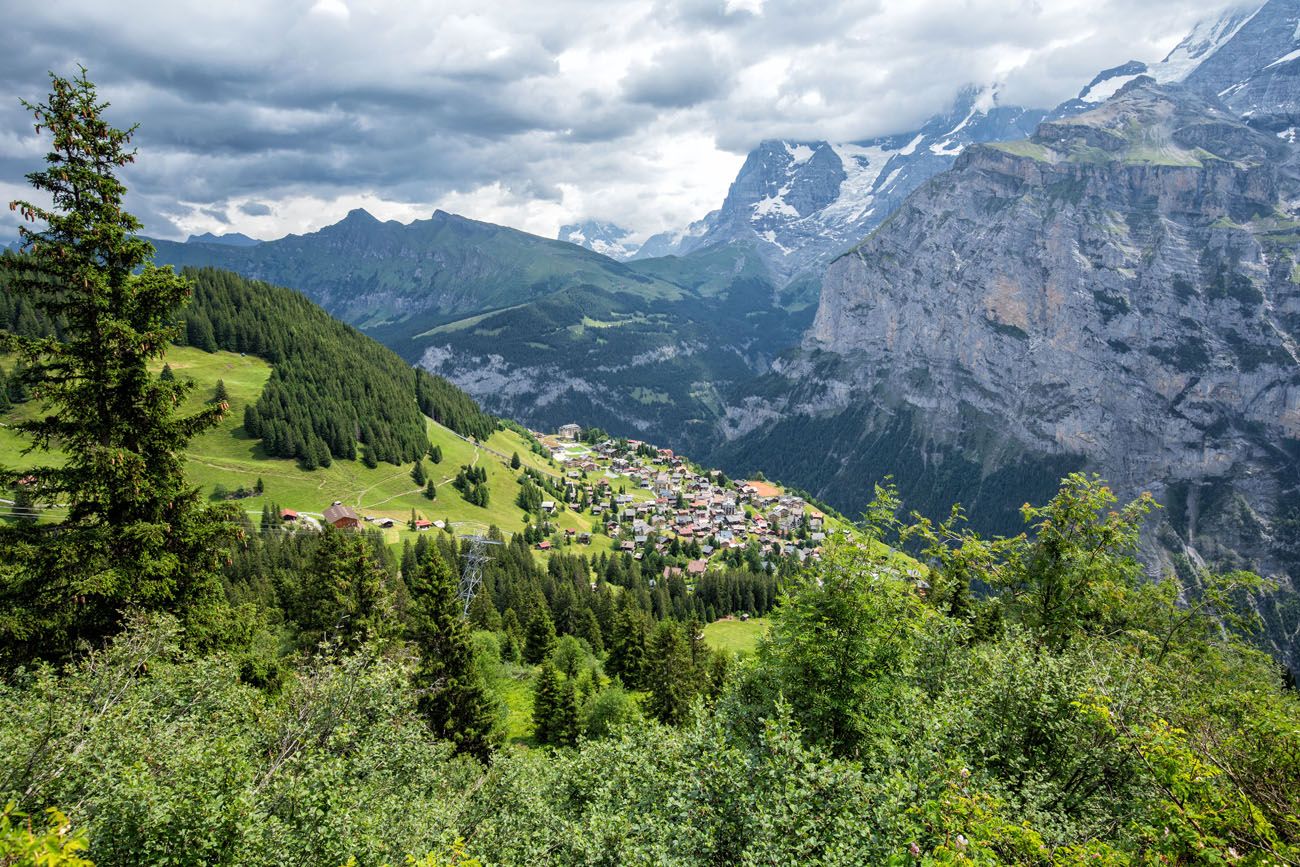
<point>530,114</point>
<point>331,9</point>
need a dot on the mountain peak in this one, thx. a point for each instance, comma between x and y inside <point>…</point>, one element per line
<point>602,237</point>
<point>229,239</point>
<point>360,216</point>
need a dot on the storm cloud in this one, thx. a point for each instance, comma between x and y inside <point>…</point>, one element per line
<point>270,118</point>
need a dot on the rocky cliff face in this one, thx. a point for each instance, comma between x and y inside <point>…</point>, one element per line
<point>1118,293</point>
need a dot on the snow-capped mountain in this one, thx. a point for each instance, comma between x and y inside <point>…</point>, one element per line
<point>1254,67</point>
<point>802,203</point>
<point>604,238</point>
<point>1247,59</point>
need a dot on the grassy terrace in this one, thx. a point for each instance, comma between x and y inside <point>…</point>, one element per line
<point>229,457</point>
<point>736,636</point>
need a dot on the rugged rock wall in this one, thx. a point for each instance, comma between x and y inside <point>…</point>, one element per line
<point>1117,293</point>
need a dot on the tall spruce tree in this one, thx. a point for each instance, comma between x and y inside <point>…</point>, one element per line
<point>453,698</point>
<point>546,700</point>
<point>670,675</point>
<point>541,634</point>
<point>136,536</point>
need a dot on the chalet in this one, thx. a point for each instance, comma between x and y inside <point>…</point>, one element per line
<point>548,506</point>
<point>569,431</point>
<point>423,524</point>
<point>385,523</point>
<point>544,545</point>
<point>288,515</point>
<point>584,538</point>
<point>697,567</point>
<point>341,516</point>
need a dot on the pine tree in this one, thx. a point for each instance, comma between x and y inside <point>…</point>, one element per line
<point>627,646</point>
<point>565,722</point>
<point>167,375</point>
<point>430,490</point>
<point>417,473</point>
<point>435,454</point>
<point>345,596</point>
<point>541,635</point>
<point>670,675</point>
<point>219,393</point>
<point>453,700</point>
<point>514,461</point>
<point>546,700</point>
<point>136,535</point>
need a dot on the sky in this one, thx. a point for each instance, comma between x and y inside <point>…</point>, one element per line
<point>279,117</point>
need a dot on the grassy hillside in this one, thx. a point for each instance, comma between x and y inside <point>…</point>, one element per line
<point>227,456</point>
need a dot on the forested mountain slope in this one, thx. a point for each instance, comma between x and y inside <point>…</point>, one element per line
<point>330,385</point>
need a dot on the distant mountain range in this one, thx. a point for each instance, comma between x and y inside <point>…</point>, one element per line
<point>540,330</point>
<point>604,238</point>
<point>230,239</point>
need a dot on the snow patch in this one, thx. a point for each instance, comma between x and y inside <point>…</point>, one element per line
<point>799,154</point>
<point>911,146</point>
<point>1286,58</point>
<point>946,148</point>
<point>770,237</point>
<point>1104,90</point>
<point>775,205</point>
<point>862,166</point>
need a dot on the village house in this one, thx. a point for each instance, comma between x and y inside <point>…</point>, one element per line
<point>569,431</point>
<point>342,517</point>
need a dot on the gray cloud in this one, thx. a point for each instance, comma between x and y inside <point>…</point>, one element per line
<point>275,118</point>
<point>681,77</point>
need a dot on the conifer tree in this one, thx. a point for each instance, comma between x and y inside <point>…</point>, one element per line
<point>345,597</point>
<point>219,393</point>
<point>167,375</point>
<point>627,645</point>
<point>670,675</point>
<point>546,701</point>
<point>417,473</point>
<point>435,454</point>
<point>541,635</point>
<point>514,461</point>
<point>565,720</point>
<point>430,490</point>
<point>136,535</point>
<point>453,698</point>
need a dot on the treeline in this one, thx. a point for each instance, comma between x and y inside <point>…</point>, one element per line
<point>331,386</point>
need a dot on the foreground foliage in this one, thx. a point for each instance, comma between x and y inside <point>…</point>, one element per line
<point>872,727</point>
